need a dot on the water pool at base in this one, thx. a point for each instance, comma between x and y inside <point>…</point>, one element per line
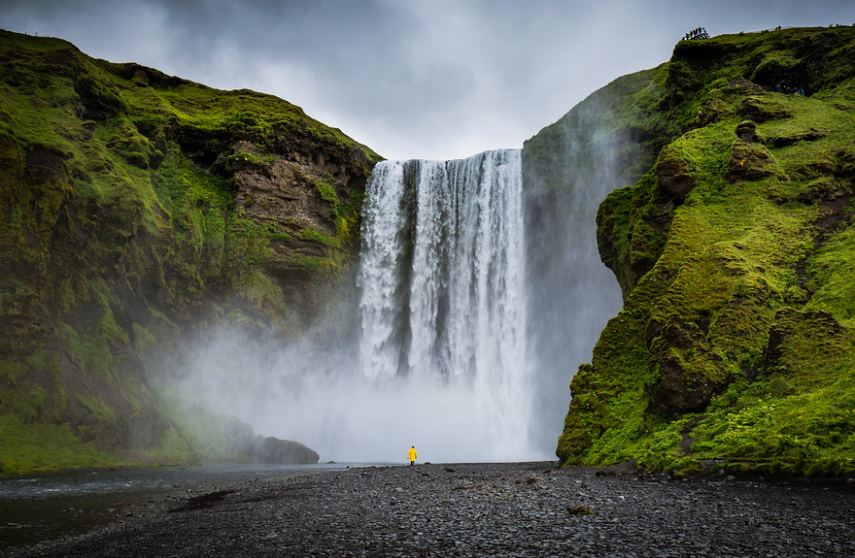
<point>53,505</point>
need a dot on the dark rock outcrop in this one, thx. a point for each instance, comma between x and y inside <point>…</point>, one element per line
<point>676,179</point>
<point>274,450</point>
<point>685,372</point>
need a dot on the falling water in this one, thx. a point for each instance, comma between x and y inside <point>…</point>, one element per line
<point>443,298</point>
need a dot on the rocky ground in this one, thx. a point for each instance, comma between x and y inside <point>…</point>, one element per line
<point>518,509</point>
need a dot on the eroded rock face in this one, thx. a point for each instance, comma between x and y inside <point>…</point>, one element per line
<point>675,177</point>
<point>280,192</point>
<point>751,161</point>
<point>686,373</point>
<point>746,131</point>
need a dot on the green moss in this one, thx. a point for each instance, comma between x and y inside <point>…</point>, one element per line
<point>832,269</point>
<point>319,237</point>
<point>143,339</point>
<point>97,408</point>
<point>59,396</point>
<point>265,295</point>
<point>90,353</point>
<point>241,158</point>
<point>11,371</point>
<point>807,429</point>
<point>44,446</point>
<point>735,341</point>
<point>119,230</point>
<point>327,193</point>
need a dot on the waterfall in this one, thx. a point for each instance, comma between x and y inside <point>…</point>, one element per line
<point>443,298</point>
<point>474,303</point>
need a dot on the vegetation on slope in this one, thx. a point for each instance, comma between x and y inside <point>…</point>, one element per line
<point>136,211</point>
<point>734,252</point>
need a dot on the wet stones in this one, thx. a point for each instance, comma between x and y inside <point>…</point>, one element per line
<point>580,510</point>
<point>348,513</point>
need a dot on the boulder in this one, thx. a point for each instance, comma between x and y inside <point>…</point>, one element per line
<point>273,450</point>
<point>675,177</point>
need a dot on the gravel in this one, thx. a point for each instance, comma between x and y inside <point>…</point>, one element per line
<point>502,509</point>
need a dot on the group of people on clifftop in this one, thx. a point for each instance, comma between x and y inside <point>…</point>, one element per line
<point>787,90</point>
<point>701,33</point>
<point>698,33</point>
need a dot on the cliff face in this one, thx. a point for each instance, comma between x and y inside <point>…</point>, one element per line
<point>607,142</point>
<point>734,252</point>
<point>137,210</point>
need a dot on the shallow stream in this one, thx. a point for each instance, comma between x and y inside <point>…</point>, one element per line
<point>53,505</point>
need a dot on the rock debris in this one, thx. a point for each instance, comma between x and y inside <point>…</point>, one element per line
<point>487,510</point>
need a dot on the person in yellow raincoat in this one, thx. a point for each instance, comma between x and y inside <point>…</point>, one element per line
<point>411,455</point>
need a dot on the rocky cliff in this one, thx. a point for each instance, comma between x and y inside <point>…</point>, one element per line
<point>733,246</point>
<point>137,211</point>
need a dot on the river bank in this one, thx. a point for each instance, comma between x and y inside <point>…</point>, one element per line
<point>516,509</point>
<point>54,505</point>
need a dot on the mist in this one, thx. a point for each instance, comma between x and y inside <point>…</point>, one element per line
<point>571,293</point>
<point>316,395</point>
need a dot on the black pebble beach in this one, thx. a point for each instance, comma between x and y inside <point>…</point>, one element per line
<point>479,510</point>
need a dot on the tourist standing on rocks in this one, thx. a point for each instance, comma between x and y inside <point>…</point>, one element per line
<point>411,455</point>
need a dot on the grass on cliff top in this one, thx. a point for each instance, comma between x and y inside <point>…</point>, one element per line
<point>771,58</point>
<point>241,112</point>
<point>39,76</point>
<point>43,69</point>
<point>606,120</point>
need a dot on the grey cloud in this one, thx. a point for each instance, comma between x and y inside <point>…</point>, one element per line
<point>432,79</point>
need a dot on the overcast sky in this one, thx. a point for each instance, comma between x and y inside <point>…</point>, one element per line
<point>429,79</point>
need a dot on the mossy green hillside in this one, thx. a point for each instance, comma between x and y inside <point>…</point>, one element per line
<point>734,254</point>
<point>137,211</point>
